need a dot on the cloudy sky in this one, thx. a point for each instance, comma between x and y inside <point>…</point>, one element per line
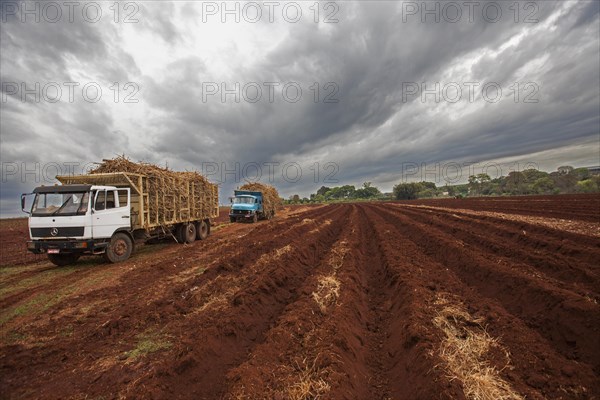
<point>298,93</point>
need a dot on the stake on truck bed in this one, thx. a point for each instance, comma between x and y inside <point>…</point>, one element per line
<point>106,213</point>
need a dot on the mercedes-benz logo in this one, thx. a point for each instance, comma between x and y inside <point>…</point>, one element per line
<point>54,231</point>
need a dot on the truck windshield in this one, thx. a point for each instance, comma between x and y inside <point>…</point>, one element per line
<point>243,200</point>
<point>48,204</point>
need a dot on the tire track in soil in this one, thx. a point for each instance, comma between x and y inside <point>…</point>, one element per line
<point>115,323</point>
<point>538,369</point>
<point>568,321</point>
<point>573,270</point>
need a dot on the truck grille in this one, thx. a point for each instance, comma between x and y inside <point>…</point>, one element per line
<point>241,212</point>
<point>69,231</point>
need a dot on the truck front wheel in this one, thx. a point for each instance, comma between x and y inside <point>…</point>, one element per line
<point>119,249</point>
<point>60,260</point>
<point>254,218</point>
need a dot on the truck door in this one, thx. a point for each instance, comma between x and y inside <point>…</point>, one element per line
<point>111,211</point>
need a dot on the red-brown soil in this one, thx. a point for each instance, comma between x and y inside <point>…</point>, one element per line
<point>336,302</point>
<point>585,207</point>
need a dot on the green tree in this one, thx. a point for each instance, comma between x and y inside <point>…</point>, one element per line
<point>479,182</point>
<point>591,185</point>
<point>565,183</point>
<point>368,191</point>
<point>407,191</point>
<point>544,185</point>
<point>582,174</point>
<point>531,175</point>
<point>515,183</point>
<point>322,190</point>
<point>426,194</point>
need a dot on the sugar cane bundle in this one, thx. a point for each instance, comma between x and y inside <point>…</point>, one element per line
<point>169,192</point>
<point>271,200</point>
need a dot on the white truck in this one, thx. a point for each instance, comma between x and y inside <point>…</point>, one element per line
<point>107,213</point>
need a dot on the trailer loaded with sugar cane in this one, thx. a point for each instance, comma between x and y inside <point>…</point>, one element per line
<point>254,201</point>
<point>116,205</point>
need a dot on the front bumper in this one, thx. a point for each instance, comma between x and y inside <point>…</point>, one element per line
<point>241,217</point>
<point>65,246</point>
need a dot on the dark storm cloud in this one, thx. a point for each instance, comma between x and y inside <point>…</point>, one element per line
<point>47,50</point>
<point>373,49</point>
<point>369,59</point>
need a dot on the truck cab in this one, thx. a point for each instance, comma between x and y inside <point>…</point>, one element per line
<point>246,206</point>
<point>67,221</point>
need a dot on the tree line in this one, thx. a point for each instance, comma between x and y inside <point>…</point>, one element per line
<point>529,182</point>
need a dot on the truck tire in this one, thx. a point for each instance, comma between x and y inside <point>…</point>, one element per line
<point>187,233</point>
<point>254,218</point>
<point>202,230</point>
<point>60,260</point>
<point>232,220</point>
<point>119,249</point>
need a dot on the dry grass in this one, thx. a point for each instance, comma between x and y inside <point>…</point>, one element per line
<point>464,350</point>
<point>320,225</point>
<point>271,257</point>
<point>218,300</point>
<point>328,287</point>
<point>147,343</point>
<point>327,293</point>
<point>338,253</point>
<point>310,384</point>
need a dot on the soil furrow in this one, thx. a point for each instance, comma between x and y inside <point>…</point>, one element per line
<point>223,336</point>
<point>569,321</point>
<point>570,273</point>
<point>534,359</point>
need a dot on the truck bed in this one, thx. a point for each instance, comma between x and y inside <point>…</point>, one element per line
<point>171,202</point>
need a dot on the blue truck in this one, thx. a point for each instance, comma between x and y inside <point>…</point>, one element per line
<point>249,206</point>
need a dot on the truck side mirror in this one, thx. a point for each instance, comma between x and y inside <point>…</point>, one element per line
<point>23,196</point>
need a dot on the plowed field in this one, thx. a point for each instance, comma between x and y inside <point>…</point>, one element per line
<point>410,300</point>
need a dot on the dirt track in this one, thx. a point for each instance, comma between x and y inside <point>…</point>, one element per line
<point>360,301</point>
